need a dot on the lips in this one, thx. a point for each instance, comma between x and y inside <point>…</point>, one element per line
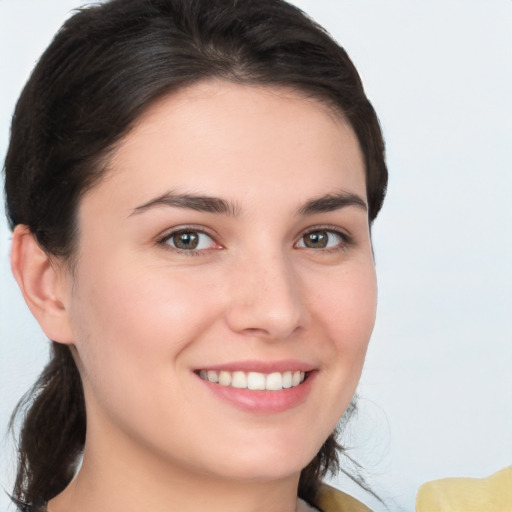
<point>255,381</point>
<point>258,386</point>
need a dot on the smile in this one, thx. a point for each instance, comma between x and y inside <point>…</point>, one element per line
<point>256,381</point>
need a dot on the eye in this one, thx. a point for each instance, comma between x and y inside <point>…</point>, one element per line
<point>322,239</point>
<point>189,240</point>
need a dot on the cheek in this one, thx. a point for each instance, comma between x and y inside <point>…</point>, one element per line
<point>348,305</point>
<point>130,320</point>
<point>347,313</point>
<point>131,337</point>
<point>140,315</point>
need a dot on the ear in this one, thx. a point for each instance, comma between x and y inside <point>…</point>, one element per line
<point>44,283</point>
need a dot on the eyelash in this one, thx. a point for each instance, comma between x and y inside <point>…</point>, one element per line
<point>345,240</point>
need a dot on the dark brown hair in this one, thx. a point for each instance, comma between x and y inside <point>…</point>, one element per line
<point>106,65</point>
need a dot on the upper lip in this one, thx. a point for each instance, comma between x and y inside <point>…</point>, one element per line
<point>261,366</point>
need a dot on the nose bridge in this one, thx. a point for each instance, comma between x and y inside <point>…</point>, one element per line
<point>266,295</point>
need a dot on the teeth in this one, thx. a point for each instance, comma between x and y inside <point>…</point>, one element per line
<point>254,380</point>
<point>212,376</point>
<point>274,382</point>
<point>224,378</point>
<point>239,380</point>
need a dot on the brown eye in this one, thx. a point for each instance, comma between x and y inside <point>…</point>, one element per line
<point>321,239</point>
<point>189,240</point>
<point>316,240</point>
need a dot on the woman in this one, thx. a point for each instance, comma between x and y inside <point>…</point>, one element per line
<point>191,186</point>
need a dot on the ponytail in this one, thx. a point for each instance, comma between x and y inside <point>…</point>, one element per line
<point>52,434</point>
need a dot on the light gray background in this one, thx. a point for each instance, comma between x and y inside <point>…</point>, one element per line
<point>437,386</point>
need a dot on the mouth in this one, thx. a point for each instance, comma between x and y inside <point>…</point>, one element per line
<point>254,381</point>
<point>260,387</point>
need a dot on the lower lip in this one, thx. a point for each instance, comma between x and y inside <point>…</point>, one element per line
<point>263,401</point>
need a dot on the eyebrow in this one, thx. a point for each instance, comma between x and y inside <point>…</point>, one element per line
<point>332,202</point>
<point>208,204</point>
<point>191,202</point>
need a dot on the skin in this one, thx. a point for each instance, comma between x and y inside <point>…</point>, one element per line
<point>141,316</point>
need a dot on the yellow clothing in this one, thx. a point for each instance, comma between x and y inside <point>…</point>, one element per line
<point>332,500</point>
<point>491,494</point>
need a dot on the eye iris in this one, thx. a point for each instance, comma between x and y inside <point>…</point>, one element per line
<point>316,240</point>
<point>186,240</point>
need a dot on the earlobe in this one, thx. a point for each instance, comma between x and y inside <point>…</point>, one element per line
<point>43,285</point>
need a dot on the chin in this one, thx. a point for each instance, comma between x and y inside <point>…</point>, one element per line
<point>266,462</point>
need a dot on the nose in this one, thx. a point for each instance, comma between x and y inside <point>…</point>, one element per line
<point>266,299</point>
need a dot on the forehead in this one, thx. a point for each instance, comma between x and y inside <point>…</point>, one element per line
<point>229,139</point>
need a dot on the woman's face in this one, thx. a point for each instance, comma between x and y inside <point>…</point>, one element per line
<point>229,240</point>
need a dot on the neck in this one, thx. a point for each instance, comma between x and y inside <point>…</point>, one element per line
<point>119,476</point>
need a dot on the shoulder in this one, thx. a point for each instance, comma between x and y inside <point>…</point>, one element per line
<point>333,500</point>
<point>492,494</point>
